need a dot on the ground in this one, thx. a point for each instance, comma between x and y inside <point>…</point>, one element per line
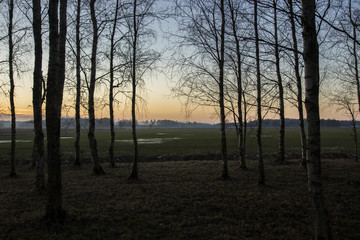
<point>182,200</point>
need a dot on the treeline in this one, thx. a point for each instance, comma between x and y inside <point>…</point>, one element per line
<point>103,123</point>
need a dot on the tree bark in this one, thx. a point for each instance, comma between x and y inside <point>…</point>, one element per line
<point>261,179</point>
<point>134,173</point>
<point>298,84</point>
<point>318,211</point>
<point>280,87</point>
<point>37,98</point>
<point>12,89</point>
<point>111,93</point>
<point>97,169</point>
<point>78,85</point>
<point>55,86</point>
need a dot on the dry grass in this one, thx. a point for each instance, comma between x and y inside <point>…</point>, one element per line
<point>182,200</point>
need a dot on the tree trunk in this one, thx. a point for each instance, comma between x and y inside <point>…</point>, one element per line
<point>111,93</point>
<point>97,169</point>
<point>225,174</point>
<point>12,88</point>
<point>261,179</point>
<point>353,125</point>
<point>55,86</point>
<point>299,85</point>
<point>78,85</point>
<point>281,89</point>
<point>356,64</point>
<point>239,90</point>
<point>134,173</point>
<point>318,211</point>
<point>245,122</point>
<point>38,153</point>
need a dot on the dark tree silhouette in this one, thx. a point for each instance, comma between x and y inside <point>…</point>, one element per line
<point>38,97</point>
<point>54,96</point>
<point>12,87</point>
<point>280,85</point>
<point>134,173</point>
<point>97,169</point>
<point>203,25</point>
<point>299,93</point>
<point>78,84</point>
<point>261,179</point>
<point>140,60</point>
<point>233,8</point>
<point>111,87</point>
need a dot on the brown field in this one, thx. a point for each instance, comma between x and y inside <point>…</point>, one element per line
<point>182,200</point>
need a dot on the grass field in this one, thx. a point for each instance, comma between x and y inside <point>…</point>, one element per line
<point>162,142</point>
<point>182,200</point>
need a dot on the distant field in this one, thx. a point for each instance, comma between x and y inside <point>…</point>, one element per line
<point>162,142</point>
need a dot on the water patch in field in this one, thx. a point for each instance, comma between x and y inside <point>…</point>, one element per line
<point>66,138</point>
<point>161,134</point>
<point>149,140</point>
<point>18,141</point>
<point>262,135</point>
<point>332,148</point>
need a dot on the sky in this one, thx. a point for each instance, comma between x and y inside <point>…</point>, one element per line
<point>160,101</point>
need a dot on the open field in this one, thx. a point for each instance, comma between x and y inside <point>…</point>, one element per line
<point>177,142</point>
<point>182,200</point>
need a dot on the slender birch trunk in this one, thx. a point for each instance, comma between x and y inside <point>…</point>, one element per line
<point>318,210</point>
<point>78,85</point>
<point>261,179</point>
<point>12,88</point>
<point>298,85</point>
<point>134,173</point>
<point>111,93</point>
<point>97,169</point>
<point>37,98</point>
<point>241,146</point>
<point>280,87</point>
<point>225,174</point>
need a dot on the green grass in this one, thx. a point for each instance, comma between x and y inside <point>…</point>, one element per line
<point>182,200</point>
<point>181,142</point>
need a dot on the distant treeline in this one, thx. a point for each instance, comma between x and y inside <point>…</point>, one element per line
<point>104,123</point>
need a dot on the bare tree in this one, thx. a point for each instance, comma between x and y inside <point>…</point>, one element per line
<point>344,99</point>
<point>347,23</point>
<point>111,87</point>
<point>355,24</point>
<point>140,61</point>
<point>78,84</point>
<point>318,210</point>
<point>261,179</point>
<point>54,96</point>
<point>38,97</point>
<point>203,26</point>
<point>12,86</point>
<point>239,80</point>
<point>97,169</point>
<point>134,173</point>
<point>299,92</point>
<point>225,173</point>
<point>280,85</point>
